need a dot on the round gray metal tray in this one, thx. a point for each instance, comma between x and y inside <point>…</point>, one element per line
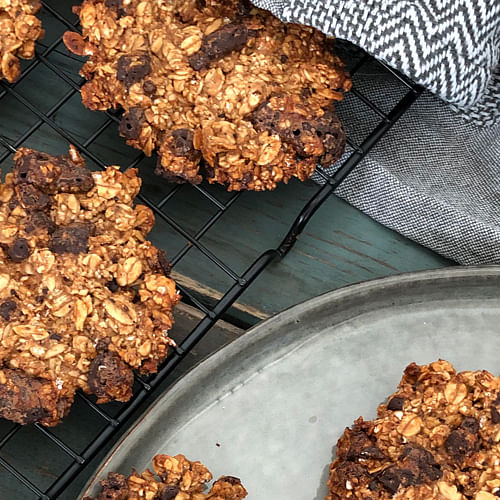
<point>270,406</point>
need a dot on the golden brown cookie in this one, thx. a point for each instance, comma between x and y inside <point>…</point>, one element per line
<point>85,298</point>
<point>174,478</point>
<point>19,29</point>
<point>219,89</point>
<point>436,438</point>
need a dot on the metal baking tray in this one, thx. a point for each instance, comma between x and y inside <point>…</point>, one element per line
<point>270,406</point>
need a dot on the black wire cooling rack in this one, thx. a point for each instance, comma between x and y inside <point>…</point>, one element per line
<point>42,110</point>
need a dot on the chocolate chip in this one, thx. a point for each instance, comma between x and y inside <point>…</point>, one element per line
<point>207,170</point>
<point>219,44</point>
<point>460,444</point>
<point>169,493</point>
<point>361,446</point>
<point>19,250</point>
<point>149,87</point>
<point>133,69</point>
<point>114,481</point>
<point>32,169</point>
<point>470,424</point>
<point>283,58</point>
<point>371,452</point>
<point>75,179</point>
<point>244,7</point>
<point>347,471</point>
<point>13,203</point>
<point>30,197</point>
<point>164,263</point>
<point>40,220</point>
<point>422,464</point>
<point>7,308</point>
<point>330,130</point>
<point>182,142</point>
<point>296,130</point>
<point>495,415</point>
<point>246,179</point>
<point>231,480</point>
<point>37,174</point>
<point>55,336</point>
<point>72,238</point>
<point>112,285</point>
<point>131,123</point>
<point>116,5</point>
<point>392,477</point>
<point>396,403</point>
<point>169,176</point>
<point>113,4</point>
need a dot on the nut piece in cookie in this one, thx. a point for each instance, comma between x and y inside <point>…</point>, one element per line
<point>174,478</point>
<point>85,298</point>
<point>435,438</point>
<point>226,93</point>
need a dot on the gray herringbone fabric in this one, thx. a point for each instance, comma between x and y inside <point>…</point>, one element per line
<point>435,178</point>
<point>451,47</point>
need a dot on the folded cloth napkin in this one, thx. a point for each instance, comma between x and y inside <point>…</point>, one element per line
<point>435,178</point>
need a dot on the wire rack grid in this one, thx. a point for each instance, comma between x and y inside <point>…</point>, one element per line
<point>41,119</point>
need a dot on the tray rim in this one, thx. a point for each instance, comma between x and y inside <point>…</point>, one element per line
<point>485,272</point>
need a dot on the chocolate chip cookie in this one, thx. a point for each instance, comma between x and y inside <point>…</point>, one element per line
<point>19,29</point>
<point>174,478</point>
<point>84,297</point>
<point>221,90</point>
<point>437,437</point>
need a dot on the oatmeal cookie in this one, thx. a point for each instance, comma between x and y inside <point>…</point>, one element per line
<point>19,30</point>
<point>219,89</point>
<point>437,437</point>
<point>174,478</point>
<point>84,298</point>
